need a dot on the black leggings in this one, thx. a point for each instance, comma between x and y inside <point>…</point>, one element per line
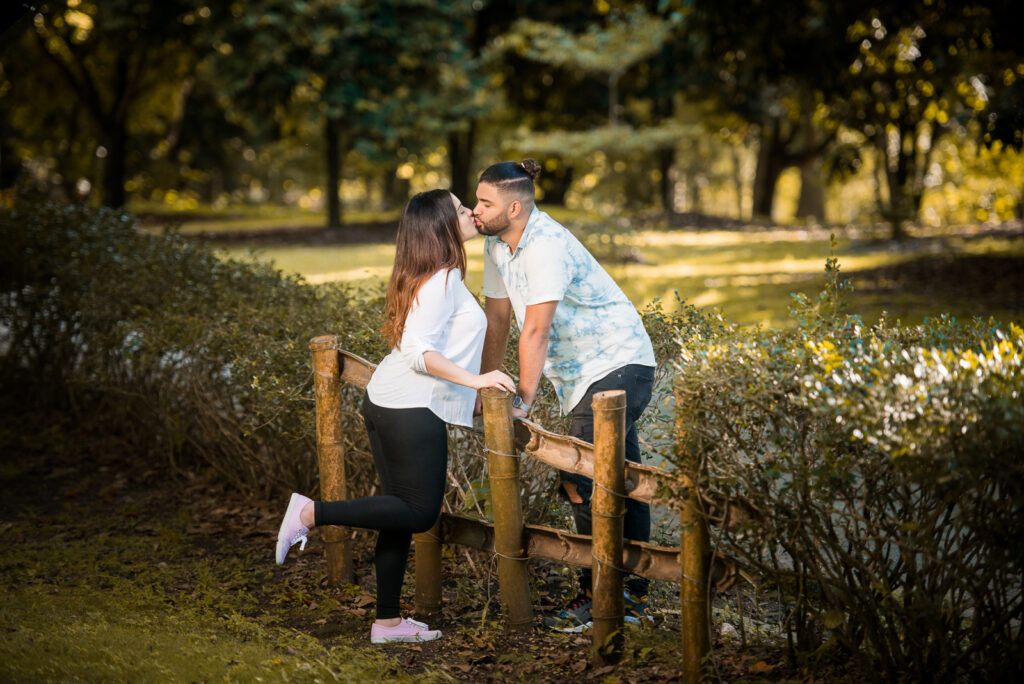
<point>410,450</point>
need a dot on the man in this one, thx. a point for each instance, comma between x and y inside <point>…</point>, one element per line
<point>576,326</point>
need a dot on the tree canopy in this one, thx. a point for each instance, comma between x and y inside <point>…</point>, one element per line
<point>178,94</point>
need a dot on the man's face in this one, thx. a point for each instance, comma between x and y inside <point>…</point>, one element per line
<point>491,211</point>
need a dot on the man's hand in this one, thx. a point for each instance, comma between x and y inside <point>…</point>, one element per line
<point>478,405</point>
<point>573,491</point>
<point>519,413</point>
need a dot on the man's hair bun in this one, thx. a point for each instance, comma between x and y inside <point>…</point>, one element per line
<point>531,167</point>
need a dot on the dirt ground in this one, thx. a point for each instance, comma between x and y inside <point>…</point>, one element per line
<point>189,540</point>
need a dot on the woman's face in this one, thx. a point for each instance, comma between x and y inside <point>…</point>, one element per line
<point>467,228</point>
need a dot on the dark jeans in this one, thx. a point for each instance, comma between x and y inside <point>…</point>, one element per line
<point>638,383</point>
<point>410,450</point>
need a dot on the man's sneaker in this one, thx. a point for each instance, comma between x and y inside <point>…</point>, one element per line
<point>405,631</point>
<point>575,617</point>
<point>637,609</point>
<point>292,530</point>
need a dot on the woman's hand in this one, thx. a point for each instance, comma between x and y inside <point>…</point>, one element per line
<point>496,379</point>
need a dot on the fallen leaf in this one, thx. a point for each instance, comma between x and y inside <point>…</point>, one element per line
<point>363,600</point>
<point>761,666</point>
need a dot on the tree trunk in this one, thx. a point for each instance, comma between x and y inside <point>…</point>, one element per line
<point>332,134</point>
<point>555,184</point>
<point>812,191</point>
<point>115,138</point>
<point>214,185</point>
<point>898,211</point>
<point>737,179</point>
<point>666,160</point>
<point>770,164</point>
<point>693,204</point>
<point>395,189</point>
<point>460,156</point>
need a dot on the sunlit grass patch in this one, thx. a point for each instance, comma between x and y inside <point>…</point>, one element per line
<point>251,218</point>
<point>114,596</point>
<point>327,263</point>
<point>749,275</point>
<point>82,634</point>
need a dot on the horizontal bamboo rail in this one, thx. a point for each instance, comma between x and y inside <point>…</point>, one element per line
<point>576,456</point>
<point>559,546</point>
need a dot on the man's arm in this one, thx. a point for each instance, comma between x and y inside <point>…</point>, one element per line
<point>499,318</point>
<point>533,347</point>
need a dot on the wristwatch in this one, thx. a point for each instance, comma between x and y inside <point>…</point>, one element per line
<point>517,402</point>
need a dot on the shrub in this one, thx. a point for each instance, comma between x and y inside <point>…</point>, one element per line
<point>882,469</point>
<point>161,343</point>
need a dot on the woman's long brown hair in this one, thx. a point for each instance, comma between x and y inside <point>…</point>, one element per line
<point>428,241</point>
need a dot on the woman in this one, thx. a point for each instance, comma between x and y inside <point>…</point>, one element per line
<point>435,327</point>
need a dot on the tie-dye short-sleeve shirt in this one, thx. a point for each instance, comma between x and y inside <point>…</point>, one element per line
<point>596,329</point>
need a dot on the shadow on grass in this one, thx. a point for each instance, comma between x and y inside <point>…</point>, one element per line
<point>981,285</point>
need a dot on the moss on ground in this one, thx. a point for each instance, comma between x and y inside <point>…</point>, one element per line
<point>121,588</point>
<point>124,633</point>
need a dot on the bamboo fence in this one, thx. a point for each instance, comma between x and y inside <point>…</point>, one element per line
<point>513,542</point>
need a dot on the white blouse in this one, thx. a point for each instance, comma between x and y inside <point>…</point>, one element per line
<point>445,317</point>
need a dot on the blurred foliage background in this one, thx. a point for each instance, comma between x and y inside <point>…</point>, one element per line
<point>899,112</point>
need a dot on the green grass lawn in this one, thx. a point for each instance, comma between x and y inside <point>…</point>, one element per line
<point>749,276</point>
<point>254,218</point>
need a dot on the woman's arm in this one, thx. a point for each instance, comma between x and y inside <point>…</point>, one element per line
<point>439,366</point>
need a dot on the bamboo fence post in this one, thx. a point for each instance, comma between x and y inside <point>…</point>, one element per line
<point>428,570</point>
<point>694,558</point>
<point>330,450</point>
<point>608,506</point>
<point>503,471</point>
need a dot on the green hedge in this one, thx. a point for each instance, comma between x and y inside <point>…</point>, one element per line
<point>157,341</point>
<point>881,467</point>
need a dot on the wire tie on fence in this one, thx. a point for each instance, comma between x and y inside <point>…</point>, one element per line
<point>502,453</point>
<point>610,516</point>
<point>515,558</point>
<point>613,493</point>
<point>611,410</point>
<point>502,477</point>
<point>333,378</point>
<point>609,565</point>
<point>431,534</point>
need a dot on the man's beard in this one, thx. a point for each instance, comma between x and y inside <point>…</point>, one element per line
<point>495,227</point>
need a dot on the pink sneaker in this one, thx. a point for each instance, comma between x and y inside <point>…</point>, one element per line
<point>405,631</point>
<point>292,530</point>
